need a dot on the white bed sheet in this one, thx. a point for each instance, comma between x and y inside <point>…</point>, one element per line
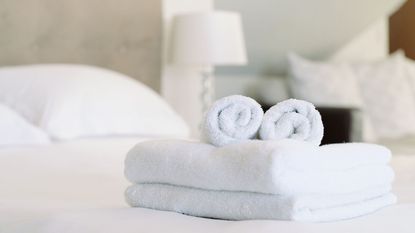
<point>78,187</point>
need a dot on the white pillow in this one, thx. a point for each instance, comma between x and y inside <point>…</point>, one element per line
<point>387,96</point>
<point>328,84</point>
<point>71,101</point>
<point>323,84</point>
<point>14,130</point>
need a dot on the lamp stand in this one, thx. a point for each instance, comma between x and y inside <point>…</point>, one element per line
<point>206,96</point>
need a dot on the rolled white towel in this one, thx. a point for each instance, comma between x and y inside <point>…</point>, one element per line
<point>295,119</point>
<point>232,119</point>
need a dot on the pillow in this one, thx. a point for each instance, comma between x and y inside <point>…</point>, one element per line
<point>323,84</point>
<point>387,96</point>
<point>14,130</point>
<point>71,101</point>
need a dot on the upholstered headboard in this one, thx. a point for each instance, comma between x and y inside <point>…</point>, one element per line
<point>123,35</point>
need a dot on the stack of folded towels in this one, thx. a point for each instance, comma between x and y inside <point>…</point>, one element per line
<point>284,174</point>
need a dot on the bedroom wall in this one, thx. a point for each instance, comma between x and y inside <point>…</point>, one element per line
<point>123,35</point>
<point>369,45</point>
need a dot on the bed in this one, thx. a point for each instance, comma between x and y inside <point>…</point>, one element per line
<point>64,132</point>
<point>75,183</point>
<point>78,186</point>
<point>70,179</point>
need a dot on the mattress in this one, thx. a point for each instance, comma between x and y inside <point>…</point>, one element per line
<point>78,187</point>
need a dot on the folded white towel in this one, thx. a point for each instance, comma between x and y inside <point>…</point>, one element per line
<point>276,167</point>
<point>296,119</point>
<point>244,205</point>
<point>232,119</point>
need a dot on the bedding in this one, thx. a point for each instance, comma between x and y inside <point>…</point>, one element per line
<point>14,130</point>
<point>73,101</point>
<point>78,186</point>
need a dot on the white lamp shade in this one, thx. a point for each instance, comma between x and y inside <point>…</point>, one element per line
<point>208,38</point>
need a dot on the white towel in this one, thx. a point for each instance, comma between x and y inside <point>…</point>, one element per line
<point>276,167</point>
<point>244,205</point>
<point>295,119</point>
<point>232,119</point>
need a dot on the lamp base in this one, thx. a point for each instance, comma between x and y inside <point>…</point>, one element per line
<point>207,93</point>
<point>206,96</point>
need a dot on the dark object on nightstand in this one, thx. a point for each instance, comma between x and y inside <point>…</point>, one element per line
<point>340,124</point>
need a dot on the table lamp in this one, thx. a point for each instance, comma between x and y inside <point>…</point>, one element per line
<point>205,40</point>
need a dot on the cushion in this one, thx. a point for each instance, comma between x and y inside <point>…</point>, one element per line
<point>323,84</point>
<point>387,96</point>
<point>71,101</point>
<point>14,130</point>
<point>381,89</point>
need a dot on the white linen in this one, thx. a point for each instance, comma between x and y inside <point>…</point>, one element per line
<point>275,167</point>
<point>88,187</point>
<point>232,119</point>
<point>245,205</point>
<point>72,101</point>
<point>295,119</point>
<point>15,131</point>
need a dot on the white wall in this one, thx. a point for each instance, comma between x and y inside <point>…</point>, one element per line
<point>181,86</point>
<point>370,45</point>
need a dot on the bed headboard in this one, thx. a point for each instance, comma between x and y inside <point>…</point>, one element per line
<point>123,35</point>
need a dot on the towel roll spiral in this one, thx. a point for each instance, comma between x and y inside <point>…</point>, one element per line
<point>295,119</point>
<point>232,119</point>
